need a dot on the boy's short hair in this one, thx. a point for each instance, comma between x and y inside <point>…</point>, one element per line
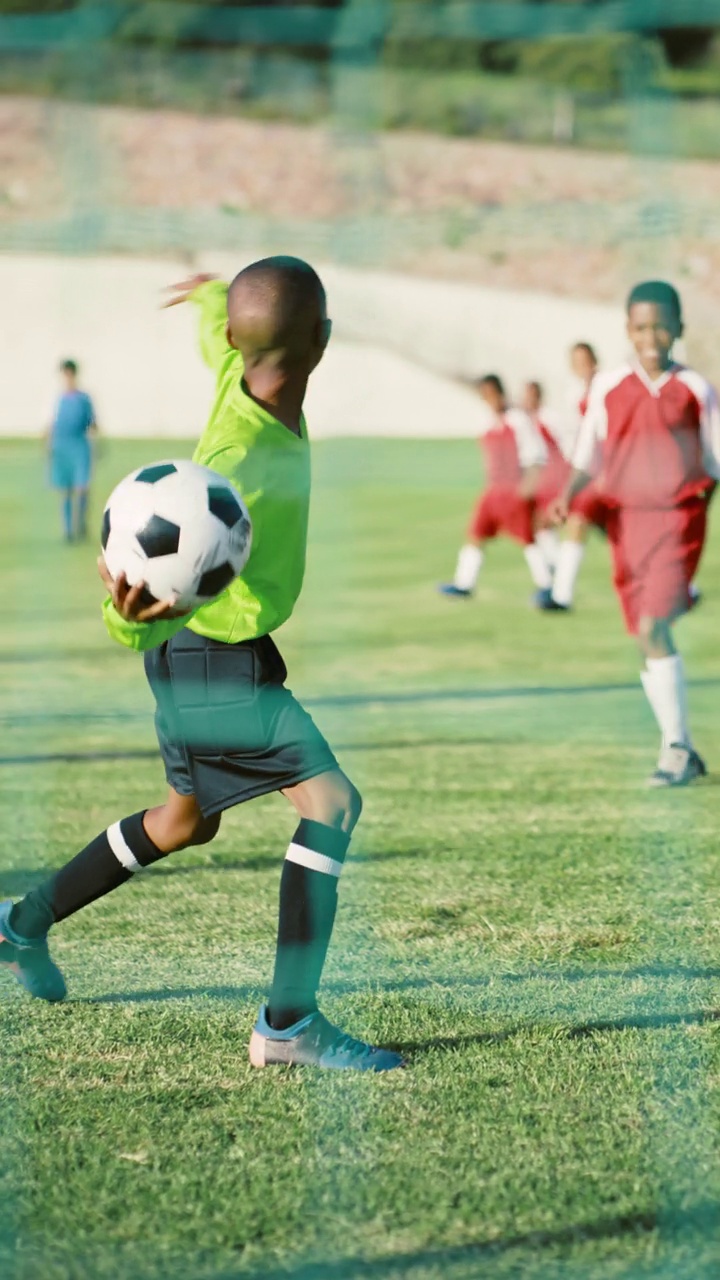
<point>492,380</point>
<point>588,348</point>
<point>660,293</point>
<point>68,366</point>
<point>536,386</point>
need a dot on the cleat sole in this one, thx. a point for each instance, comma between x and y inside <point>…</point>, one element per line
<point>256,1051</point>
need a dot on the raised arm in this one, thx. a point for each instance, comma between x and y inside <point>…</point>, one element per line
<point>210,297</point>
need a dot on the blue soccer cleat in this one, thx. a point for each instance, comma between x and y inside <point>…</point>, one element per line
<point>29,961</point>
<point>315,1042</point>
<point>545,601</point>
<point>449,589</point>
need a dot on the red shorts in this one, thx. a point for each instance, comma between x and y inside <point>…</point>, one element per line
<point>592,506</point>
<point>503,511</point>
<point>655,558</point>
<point>552,483</point>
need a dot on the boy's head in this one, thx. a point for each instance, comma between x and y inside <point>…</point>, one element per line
<point>492,391</point>
<point>69,374</point>
<point>532,398</point>
<point>583,361</point>
<point>277,315</point>
<point>654,323</point>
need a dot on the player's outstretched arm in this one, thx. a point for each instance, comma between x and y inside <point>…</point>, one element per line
<point>529,481</point>
<point>559,508</point>
<point>210,295</point>
<point>183,291</point>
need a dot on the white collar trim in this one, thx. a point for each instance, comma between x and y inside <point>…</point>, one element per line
<point>656,385</point>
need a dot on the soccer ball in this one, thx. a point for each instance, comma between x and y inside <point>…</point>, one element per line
<point>180,528</point>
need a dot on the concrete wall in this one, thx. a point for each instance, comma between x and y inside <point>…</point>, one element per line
<point>400,345</point>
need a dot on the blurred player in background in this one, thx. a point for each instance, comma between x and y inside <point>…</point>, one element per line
<point>68,440</point>
<point>658,425</point>
<point>514,458</point>
<point>588,507</point>
<point>553,476</point>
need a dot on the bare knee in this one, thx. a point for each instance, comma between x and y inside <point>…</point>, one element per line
<point>330,798</point>
<point>171,830</point>
<point>575,528</point>
<point>206,830</point>
<point>654,637</point>
<point>352,808</point>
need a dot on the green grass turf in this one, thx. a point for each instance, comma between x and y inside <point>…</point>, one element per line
<point>537,931</point>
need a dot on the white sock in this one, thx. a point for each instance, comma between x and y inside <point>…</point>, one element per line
<point>549,544</point>
<point>648,685</point>
<point>667,696</point>
<point>567,569</point>
<point>468,567</point>
<point>538,566</point>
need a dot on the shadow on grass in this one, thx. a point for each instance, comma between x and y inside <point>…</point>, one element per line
<point>19,880</point>
<point>239,994</point>
<point>700,1217</point>
<point>415,697</point>
<point>633,1022</point>
<point>152,753</point>
<point>657,1020</point>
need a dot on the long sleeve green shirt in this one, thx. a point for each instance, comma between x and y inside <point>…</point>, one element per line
<point>270,466</point>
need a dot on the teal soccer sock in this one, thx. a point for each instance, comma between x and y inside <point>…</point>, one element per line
<point>308,902</point>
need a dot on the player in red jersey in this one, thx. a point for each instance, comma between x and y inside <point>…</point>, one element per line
<point>514,457</point>
<point>659,427</point>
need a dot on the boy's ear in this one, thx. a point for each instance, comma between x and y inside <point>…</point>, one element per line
<point>325,332</point>
<point>229,337</point>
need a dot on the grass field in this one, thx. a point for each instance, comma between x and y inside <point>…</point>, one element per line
<point>538,932</point>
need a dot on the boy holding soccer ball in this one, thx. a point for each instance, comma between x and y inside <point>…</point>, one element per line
<point>228,728</point>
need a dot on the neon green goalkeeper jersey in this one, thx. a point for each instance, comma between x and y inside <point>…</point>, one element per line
<point>270,466</point>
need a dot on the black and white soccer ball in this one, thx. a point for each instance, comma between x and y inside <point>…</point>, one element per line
<point>180,528</point>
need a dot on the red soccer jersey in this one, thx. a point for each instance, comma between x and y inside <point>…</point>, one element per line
<point>660,440</point>
<point>556,468</point>
<point>509,446</point>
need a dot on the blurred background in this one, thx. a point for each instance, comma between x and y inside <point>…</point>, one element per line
<point>479,182</point>
<point>479,185</point>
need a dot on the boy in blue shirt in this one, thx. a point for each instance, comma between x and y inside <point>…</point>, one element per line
<point>69,448</point>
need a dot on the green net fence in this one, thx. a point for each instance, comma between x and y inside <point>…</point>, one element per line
<point>478,181</point>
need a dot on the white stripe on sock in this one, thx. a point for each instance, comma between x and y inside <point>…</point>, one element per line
<point>121,848</point>
<point>314,861</point>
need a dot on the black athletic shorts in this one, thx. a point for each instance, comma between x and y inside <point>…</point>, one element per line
<point>228,728</point>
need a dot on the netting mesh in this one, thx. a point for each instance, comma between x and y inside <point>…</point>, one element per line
<point>246,142</point>
<point>242,132</point>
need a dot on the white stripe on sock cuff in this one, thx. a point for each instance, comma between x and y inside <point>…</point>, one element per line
<point>121,848</point>
<point>314,861</point>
